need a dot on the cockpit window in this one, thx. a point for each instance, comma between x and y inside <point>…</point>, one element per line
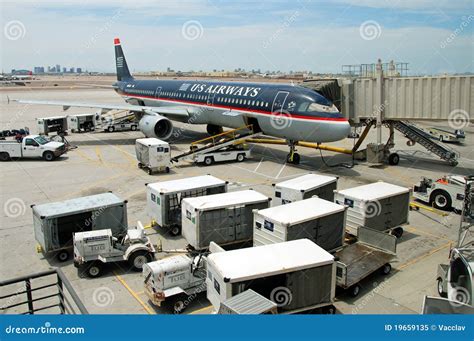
<point>303,107</point>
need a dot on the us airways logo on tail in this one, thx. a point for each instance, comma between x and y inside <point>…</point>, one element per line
<point>120,62</point>
<point>222,89</point>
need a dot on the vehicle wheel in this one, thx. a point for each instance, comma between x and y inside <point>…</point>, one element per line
<point>397,232</point>
<point>209,160</point>
<point>150,172</point>
<point>94,270</point>
<point>240,157</point>
<point>167,169</point>
<point>296,158</point>
<point>138,259</point>
<point>440,288</point>
<point>48,156</point>
<point>110,129</point>
<point>175,231</point>
<point>134,128</point>
<point>441,200</point>
<point>4,157</point>
<point>385,269</point>
<point>329,310</point>
<point>178,305</point>
<point>62,256</point>
<point>140,165</point>
<point>441,138</point>
<point>393,159</point>
<point>354,290</point>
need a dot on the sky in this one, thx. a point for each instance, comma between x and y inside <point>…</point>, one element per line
<point>320,36</point>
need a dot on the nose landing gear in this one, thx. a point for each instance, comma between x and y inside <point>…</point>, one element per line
<point>293,157</point>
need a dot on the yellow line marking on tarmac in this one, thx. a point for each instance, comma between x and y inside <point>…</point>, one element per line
<point>99,155</point>
<point>132,160</point>
<point>412,229</point>
<point>423,256</point>
<point>201,309</point>
<point>134,294</point>
<point>85,156</point>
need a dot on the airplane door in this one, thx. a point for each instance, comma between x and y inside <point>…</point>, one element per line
<point>279,101</point>
<point>158,91</point>
<point>210,98</point>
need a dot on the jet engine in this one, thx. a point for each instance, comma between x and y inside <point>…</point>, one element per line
<point>156,126</point>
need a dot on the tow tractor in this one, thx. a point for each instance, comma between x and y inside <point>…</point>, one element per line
<point>175,281</point>
<point>93,249</point>
<point>455,280</point>
<point>445,194</point>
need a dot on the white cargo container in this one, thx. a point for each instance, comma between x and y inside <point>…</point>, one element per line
<point>153,155</point>
<point>52,124</point>
<point>297,275</point>
<point>304,187</point>
<point>379,206</point>
<point>316,219</point>
<point>164,198</point>
<point>82,122</point>
<point>225,218</point>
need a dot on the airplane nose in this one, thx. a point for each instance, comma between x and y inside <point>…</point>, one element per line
<point>344,130</point>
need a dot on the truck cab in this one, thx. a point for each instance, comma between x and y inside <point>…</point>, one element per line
<point>31,146</point>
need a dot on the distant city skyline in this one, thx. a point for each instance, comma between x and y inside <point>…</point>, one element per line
<point>319,36</point>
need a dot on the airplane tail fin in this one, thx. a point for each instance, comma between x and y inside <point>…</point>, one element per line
<point>122,68</point>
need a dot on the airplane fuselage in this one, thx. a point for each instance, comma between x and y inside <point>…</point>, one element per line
<point>281,110</point>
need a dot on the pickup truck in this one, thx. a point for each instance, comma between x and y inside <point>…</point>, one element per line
<point>31,146</point>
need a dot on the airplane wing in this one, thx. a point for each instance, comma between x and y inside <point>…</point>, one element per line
<point>177,112</point>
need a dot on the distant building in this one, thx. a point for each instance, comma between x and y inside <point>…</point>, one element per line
<point>58,68</point>
<point>79,70</point>
<point>64,70</point>
<point>38,69</point>
<point>71,70</point>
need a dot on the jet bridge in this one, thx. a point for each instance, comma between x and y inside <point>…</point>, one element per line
<point>392,101</point>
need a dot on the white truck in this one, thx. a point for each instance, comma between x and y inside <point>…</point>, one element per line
<point>93,249</point>
<point>233,153</point>
<point>31,146</point>
<point>444,194</point>
<point>174,281</point>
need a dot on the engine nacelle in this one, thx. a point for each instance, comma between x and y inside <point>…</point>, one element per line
<point>156,126</point>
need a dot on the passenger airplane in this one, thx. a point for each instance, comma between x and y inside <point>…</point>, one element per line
<point>290,112</point>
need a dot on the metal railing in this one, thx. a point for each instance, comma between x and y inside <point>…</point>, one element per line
<point>67,300</point>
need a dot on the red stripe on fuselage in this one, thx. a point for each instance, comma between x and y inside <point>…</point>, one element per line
<point>312,118</point>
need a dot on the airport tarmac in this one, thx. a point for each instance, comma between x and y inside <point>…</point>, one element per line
<point>106,162</point>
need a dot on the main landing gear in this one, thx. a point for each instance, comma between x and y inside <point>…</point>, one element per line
<point>292,156</point>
